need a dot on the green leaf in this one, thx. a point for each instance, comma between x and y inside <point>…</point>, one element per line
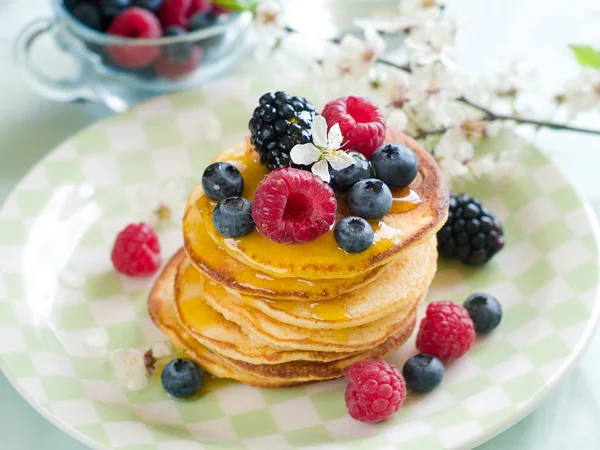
<point>586,56</point>
<point>237,5</point>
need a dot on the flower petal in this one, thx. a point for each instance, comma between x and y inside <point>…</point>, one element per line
<point>130,368</point>
<point>340,160</point>
<point>161,349</point>
<point>334,138</point>
<point>321,169</point>
<point>305,154</point>
<point>319,131</point>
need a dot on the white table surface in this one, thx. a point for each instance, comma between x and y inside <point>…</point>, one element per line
<point>537,31</point>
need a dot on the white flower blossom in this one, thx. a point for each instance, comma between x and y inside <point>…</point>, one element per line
<point>130,368</point>
<point>434,90</point>
<point>270,28</point>
<point>454,153</point>
<point>433,43</point>
<point>324,150</point>
<point>162,203</point>
<point>582,93</point>
<point>397,119</point>
<point>354,56</point>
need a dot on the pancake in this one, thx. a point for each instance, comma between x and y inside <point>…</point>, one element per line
<point>162,312</point>
<point>405,279</point>
<point>218,265</point>
<point>322,258</point>
<point>263,329</point>
<point>226,338</point>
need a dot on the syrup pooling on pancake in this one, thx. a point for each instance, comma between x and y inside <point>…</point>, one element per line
<point>413,219</point>
<point>215,262</point>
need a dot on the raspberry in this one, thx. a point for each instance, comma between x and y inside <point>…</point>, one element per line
<point>375,390</point>
<point>293,206</point>
<point>446,331</point>
<point>179,12</point>
<point>361,122</point>
<point>134,23</point>
<point>136,250</point>
<point>175,70</point>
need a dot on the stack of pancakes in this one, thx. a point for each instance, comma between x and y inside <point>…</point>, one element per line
<point>275,315</point>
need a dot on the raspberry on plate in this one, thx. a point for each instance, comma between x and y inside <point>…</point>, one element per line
<point>361,122</point>
<point>375,390</point>
<point>446,331</point>
<point>179,12</point>
<point>174,70</point>
<point>136,251</point>
<point>134,23</point>
<point>292,206</point>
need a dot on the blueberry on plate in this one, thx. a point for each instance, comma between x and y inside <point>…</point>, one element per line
<point>343,180</point>
<point>370,199</point>
<point>222,180</point>
<point>423,373</point>
<point>178,52</point>
<point>151,5</point>
<point>182,378</point>
<point>233,217</point>
<point>396,165</point>
<point>485,312</point>
<point>111,8</point>
<point>353,234</point>
<point>89,15</point>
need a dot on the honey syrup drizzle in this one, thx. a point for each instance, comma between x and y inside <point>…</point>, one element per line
<point>328,310</point>
<point>404,200</point>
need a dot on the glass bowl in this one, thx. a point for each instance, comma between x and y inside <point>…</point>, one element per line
<point>123,71</point>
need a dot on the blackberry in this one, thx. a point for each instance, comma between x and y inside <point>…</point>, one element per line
<point>278,124</point>
<point>472,234</point>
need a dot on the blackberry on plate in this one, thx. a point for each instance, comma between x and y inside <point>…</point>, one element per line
<point>278,124</point>
<point>472,234</point>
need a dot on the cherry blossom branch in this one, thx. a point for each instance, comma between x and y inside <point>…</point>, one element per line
<point>492,116</point>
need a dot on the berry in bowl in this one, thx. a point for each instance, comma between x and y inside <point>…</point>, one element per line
<point>129,50</point>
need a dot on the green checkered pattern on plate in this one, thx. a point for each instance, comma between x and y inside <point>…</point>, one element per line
<point>65,213</point>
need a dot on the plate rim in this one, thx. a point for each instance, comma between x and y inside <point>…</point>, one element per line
<point>529,406</point>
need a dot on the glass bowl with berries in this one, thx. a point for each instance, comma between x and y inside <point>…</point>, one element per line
<point>129,50</point>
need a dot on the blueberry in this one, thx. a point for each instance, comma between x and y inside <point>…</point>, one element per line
<point>182,378</point>
<point>222,180</point>
<point>111,8</point>
<point>178,52</point>
<point>89,15</point>
<point>485,311</point>
<point>151,5</point>
<point>343,180</point>
<point>396,165</point>
<point>423,373</point>
<point>233,217</point>
<point>353,234</point>
<point>370,199</point>
<point>201,20</point>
